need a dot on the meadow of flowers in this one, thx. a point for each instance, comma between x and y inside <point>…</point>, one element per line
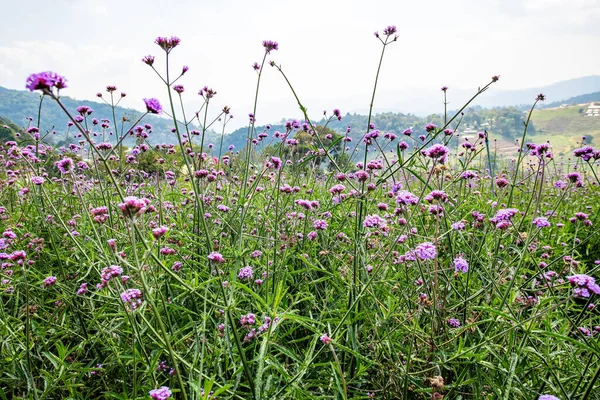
<point>423,268</point>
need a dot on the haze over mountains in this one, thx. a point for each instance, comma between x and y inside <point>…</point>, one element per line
<point>17,105</point>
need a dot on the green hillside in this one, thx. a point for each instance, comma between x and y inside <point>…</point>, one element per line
<point>565,126</point>
<point>7,130</point>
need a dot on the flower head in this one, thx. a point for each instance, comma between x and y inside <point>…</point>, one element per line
<point>167,44</point>
<point>461,265</point>
<point>153,106</point>
<point>163,393</point>
<point>270,45</point>
<point>45,81</point>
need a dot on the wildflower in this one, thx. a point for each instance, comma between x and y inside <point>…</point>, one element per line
<point>82,289</point>
<point>548,397</point>
<point>461,265</point>
<point>437,152</point>
<point>178,88</point>
<point>390,30</point>
<point>132,299</point>
<point>110,272</point>
<point>159,232</point>
<point>38,180</point>
<point>583,285</point>
<point>65,165</point>
<point>337,113</point>
<point>326,339</point>
<point>153,106</point>
<point>374,221</point>
<point>49,281</point>
<point>458,226</point>
<point>245,273</point>
<point>453,323</point>
<point>406,198</point>
<point>430,127</point>
<point>247,320</point>
<point>133,206</point>
<point>216,257</point>
<point>167,44</point>
<point>149,60</point>
<point>320,224</point>
<point>163,393</point>
<point>541,222</point>
<point>270,45</point>
<point>45,81</point>
<point>503,217</point>
<point>426,251</point>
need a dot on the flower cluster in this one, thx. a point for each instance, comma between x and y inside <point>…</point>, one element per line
<point>45,81</point>
<point>132,298</point>
<point>162,393</point>
<point>583,285</point>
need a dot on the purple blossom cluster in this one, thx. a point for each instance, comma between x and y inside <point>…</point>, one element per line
<point>584,285</point>
<point>132,299</point>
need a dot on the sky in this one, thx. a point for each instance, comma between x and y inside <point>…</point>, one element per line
<point>326,48</point>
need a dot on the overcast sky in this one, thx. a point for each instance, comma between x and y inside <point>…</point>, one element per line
<point>327,48</point>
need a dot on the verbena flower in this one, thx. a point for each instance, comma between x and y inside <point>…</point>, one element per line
<point>270,45</point>
<point>461,265</point>
<point>45,81</point>
<point>153,106</point>
<point>49,281</point>
<point>132,299</point>
<point>162,393</point>
<point>426,251</point>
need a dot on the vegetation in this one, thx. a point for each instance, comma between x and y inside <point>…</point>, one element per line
<point>297,267</point>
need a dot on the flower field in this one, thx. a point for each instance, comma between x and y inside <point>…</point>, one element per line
<point>387,265</point>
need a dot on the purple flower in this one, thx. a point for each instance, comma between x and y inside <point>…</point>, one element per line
<point>133,299</point>
<point>548,397</point>
<point>49,281</point>
<point>320,224</point>
<point>148,60</point>
<point>541,222</point>
<point>153,106</point>
<point>430,127</point>
<point>167,44</point>
<point>133,206</point>
<point>437,152</point>
<point>178,88</point>
<point>38,180</point>
<point>390,30</point>
<point>246,273</point>
<point>65,165</point>
<point>461,265</point>
<point>453,323</point>
<point>583,285</point>
<point>163,393</point>
<point>337,113</point>
<point>326,339</point>
<point>45,81</point>
<point>374,221</point>
<point>270,45</point>
<point>406,198</point>
<point>426,251</point>
<point>216,257</point>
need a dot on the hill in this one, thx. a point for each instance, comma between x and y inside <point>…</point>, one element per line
<point>19,105</point>
<point>565,126</point>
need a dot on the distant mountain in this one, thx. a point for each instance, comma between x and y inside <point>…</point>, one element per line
<point>583,99</point>
<point>555,93</point>
<point>423,102</point>
<point>7,130</point>
<point>19,105</point>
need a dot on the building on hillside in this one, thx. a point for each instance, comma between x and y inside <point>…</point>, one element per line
<point>593,109</point>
